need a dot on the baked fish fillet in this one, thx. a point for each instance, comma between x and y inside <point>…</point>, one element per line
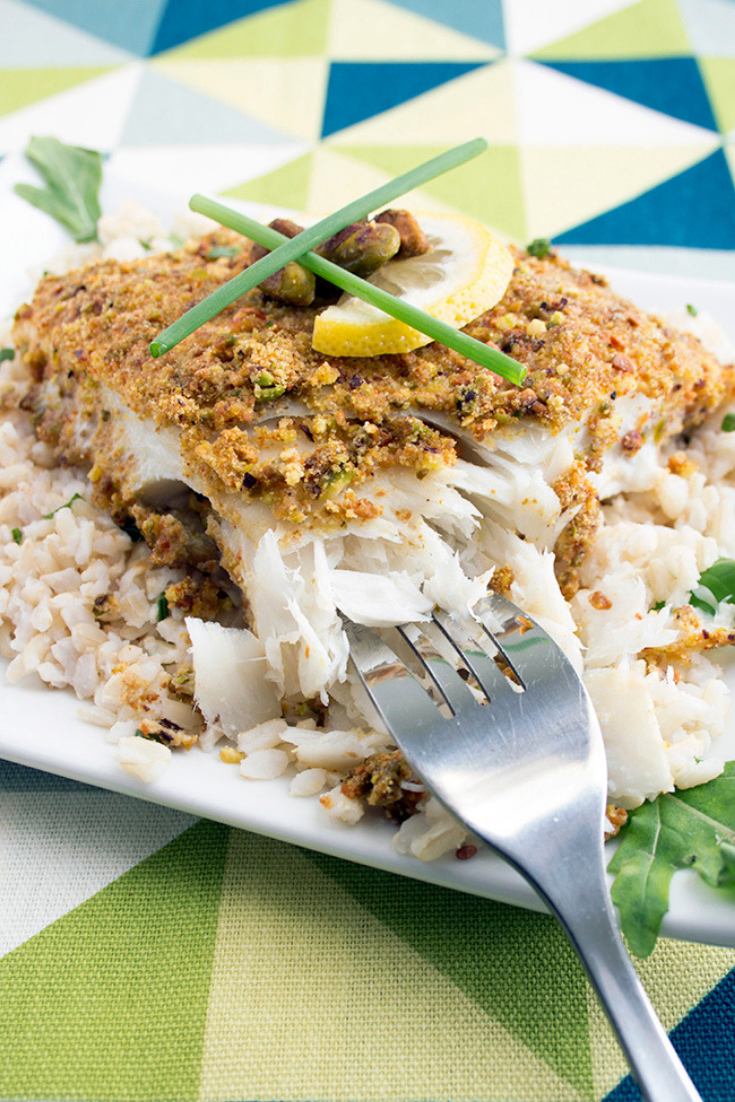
<point>244,428</point>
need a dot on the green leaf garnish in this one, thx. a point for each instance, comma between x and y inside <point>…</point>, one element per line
<point>17,535</point>
<point>686,829</point>
<point>297,248</point>
<point>728,422</point>
<point>482,354</point>
<point>692,310</point>
<point>7,354</point>
<point>539,247</point>
<point>73,177</point>
<point>67,505</point>
<point>162,609</point>
<point>719,582</point>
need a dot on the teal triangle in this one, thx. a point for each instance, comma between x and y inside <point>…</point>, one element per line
<point>357,90</point>
<point>695,209</point>
<point>672,85</point>
<point>183,20</point>
<point>132,25</point>
<point>165,112</point>
<point>482,19</point>
<point>704,1042</point>
<point>516,965</point>
<point>35,40</point>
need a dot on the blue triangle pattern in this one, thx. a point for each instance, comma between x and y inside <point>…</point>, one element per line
<point>131,25</point>
<point>481,19</point>
<point>184,20</point>
<point>672,85</point>
<point>358,90</point>
<point>704,1042</point>
<point>167,113</point>
<point>695,209</point>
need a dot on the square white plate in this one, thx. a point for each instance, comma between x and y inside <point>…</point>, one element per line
<point>40,727</point>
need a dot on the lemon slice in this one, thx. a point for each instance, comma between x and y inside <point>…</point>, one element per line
<point>465,272</point>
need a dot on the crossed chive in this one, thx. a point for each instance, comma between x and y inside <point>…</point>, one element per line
<point>299,248</point>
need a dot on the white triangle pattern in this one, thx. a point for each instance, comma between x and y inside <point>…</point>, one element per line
<point>92,114</point>
<point>557,110</point>
<point>178,171</point>
<point>48,835</point>
<point>533,24</point>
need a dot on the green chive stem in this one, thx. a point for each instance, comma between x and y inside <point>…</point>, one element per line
<point>293,248</point>
<point>482,354</point>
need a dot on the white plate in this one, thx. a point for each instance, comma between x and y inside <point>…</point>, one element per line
<point>40,727</point>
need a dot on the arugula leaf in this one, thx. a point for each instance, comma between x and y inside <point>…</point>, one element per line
<point>73,177</point>
<point>695,829</point>
<point>719,581</point>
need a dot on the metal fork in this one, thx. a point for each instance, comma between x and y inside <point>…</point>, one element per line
<point>518,758</point>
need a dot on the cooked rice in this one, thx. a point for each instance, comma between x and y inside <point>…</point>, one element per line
<point>80,606</point>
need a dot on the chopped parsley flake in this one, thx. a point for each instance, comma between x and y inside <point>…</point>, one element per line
<point>728,422</point>
<point>7,354</point>
<point>692,310</point>
<point>17,535</point>
<point>162,607</point>
<point>67,505</point>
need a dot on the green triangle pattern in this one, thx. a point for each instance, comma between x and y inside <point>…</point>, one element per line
<point>292,30</point>
<point>718,74</point>
<point>492,953</point>
<point>650,28</point>
<point>287,186</point>
<point>487,188</point>
<point>21,87</point>
<point>136,958</point>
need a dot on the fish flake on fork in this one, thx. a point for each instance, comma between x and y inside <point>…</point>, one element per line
<point>506,738</point>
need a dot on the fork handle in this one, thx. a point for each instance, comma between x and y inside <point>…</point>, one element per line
<point>582,905</point>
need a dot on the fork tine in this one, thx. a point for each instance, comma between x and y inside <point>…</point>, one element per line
<point>444,676</point>
<point>529,650</point>
<point>483,666</point>
<point>399,698</point>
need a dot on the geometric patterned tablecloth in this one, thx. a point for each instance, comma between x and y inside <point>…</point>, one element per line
<point>145,955</point>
